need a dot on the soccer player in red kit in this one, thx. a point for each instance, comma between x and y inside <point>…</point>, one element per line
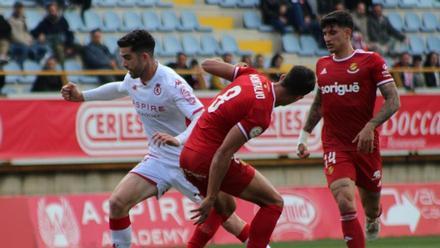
<point>238,113</point>
<point>347,83</point>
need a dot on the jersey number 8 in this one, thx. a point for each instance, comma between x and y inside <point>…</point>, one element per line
<point>228,95</point>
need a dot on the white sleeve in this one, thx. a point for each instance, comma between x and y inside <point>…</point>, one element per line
<point>183,137</point>
<point>107,91</point>
<point>185,100</point>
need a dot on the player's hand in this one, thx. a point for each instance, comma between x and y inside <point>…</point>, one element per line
<point>203,211</point>
<point>365,139</point>
<point>70,92</point>
<point>302,151</point>
<point>160,139</point>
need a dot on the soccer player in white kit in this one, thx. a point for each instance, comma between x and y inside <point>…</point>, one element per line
<point>163,100</point>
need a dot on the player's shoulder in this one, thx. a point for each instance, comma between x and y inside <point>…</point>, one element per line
<point>368,54</point>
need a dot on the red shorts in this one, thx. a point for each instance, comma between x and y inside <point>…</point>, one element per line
<point>365,169</point>
<point>195,166</point>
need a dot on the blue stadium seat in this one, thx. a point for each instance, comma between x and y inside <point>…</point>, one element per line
<point>161,4</point>
<point>190,45</point>
<point>425,3</point>
<point>190,22</point>
<point>131,21</point>
<point>72,65</point>
<point>74,20</point>
<point>290,43</point>
<point>151,21</point>
<point>158,51</point>
<point>91,21</point>
<point>146,3</point>
<point>390,3</point>
<point>170,22</point>
<point>309,47</point>
<point>111,22</point>
<point>417,45</point>
<point>11,66</point>
<point>408,4</point>
<point>111,42</point>
<point>171,46</point>
<point>209,45</point>
<point>33,17</point>
<point>228,3</point>
<point>7,3</point>
<point>429,22</point>
<point>212,2</point>
<point>127,3</point>
<point>378,1</point>
<point>108,3</point>
<point>30,65</point>
<point>248,3</point>
<point>29,3</point>
<point>433,43</point>
<point>252,20</point>
<point>412,22</point>
<point>229,45</point>
<point>396,21</point>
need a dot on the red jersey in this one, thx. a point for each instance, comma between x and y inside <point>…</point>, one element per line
<point>348,93</point>
<point>247,102</point>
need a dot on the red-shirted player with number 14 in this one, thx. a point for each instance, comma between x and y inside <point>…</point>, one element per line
<point>238,113</point>
<point>347,84</point>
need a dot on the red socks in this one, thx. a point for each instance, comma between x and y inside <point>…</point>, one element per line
<point>263,225</point>
<point>204,232</point>
<point>353,234</point>
<point>244,234</point>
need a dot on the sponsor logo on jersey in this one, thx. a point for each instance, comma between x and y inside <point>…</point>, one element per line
<point>157,90</point>
<point>188,96</point>
<point>299,215</point>
<point>110,128</point>
<point>177,83</point>
<point>341,89</point>
<point>57,223</point>
<point>353,68</point>
<point>324,71</point>
<point>255,131</point>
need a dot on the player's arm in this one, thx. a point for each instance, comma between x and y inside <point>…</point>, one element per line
<point>390,106</point>
<point>313,118</point>
<point>109,91</point>
<point>219,68</point>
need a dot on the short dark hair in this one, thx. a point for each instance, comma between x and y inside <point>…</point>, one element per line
<point>299,81</point>
<point>93,31</point>
<point>139,40</point>
<point>339,18</point>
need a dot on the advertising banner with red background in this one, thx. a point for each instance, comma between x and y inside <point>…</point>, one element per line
<point>55,128</point>
<point>309,214</point>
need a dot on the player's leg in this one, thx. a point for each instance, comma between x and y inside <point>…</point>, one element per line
<point>131,190</point>
<point>238,227</point>
<point>261,192</point>
<point>371,204</point>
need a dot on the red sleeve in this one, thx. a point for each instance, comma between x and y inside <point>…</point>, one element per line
<point>256,121</point>
<point>379,71</point>
<point>240,70</point>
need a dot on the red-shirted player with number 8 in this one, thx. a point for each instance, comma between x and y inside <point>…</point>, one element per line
<point>238,113</point>
<point>347,84</point>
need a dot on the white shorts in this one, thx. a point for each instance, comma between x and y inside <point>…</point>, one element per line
<point>166,175</point>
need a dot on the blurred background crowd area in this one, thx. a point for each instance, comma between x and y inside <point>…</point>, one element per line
<point>45,43</point>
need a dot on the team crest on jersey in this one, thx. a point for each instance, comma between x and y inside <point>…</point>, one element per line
<point>353,68</point>
<point>330,170</point>
<point>157,89</point>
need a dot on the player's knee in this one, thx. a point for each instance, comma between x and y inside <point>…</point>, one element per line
<point>345,202</point>
<point>117,206</point>
<point>276,200</point>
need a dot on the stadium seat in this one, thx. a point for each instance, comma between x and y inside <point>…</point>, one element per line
<point>425,3</point>
<point>146,3</point>
<point>433,43</point>
<point>158,51</point>
<point>72,65</point>
<point>308,45</point>
<point>161,4</point>
<point>170,22</point>
<point>209,46</point>
<point>111,42</point>
<point>252,20</point>
<point>29,3</point>
<point>412,22</point>
<point>190,22</point>
<point>11,66</point>
<point>378,1</point>
<point>429,22</point>
<point>131,21</point>
<point>213,2</point>
<point>111,22</point>
<point>190,45</point>
<point>108,3</point>
<point>7,3</point>
<point>74,20</point>
<point>408,4</point>
<point>228,3</point>
<point>390,3</point>
<point>33,17</point>
<point>417,45</point>
<point>126,3</point>
<point>248,3</point>
<point>91,21</point>
<point>171,46</point>
<point>229,45</point>
<point>290,43</point>
<point>151,21</point>
<point>30,65</point>
<point>396,21</point>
